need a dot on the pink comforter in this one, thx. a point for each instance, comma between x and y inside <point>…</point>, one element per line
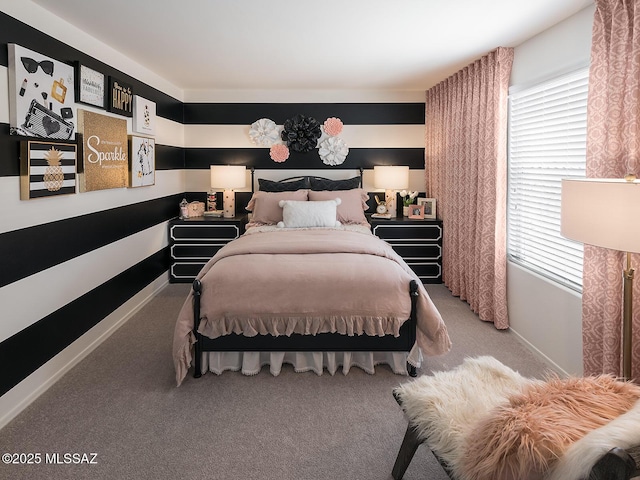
<point>308,281</point>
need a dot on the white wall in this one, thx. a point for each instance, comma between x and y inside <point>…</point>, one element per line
<point>544,314</point>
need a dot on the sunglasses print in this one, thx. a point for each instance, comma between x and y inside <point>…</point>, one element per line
<point>31,65</point>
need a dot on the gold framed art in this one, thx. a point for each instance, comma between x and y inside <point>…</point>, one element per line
<point>47,169</point>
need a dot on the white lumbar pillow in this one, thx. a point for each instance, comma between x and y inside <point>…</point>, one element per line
<point>305,214</point>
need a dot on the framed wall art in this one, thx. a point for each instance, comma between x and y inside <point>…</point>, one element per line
<point>47,169</point>
<point>104,152</point>
<point>429,207</point>
<point>142,161</point>
<point>120,97</point>
<point>89,86</point>
<point>41,95</point>
<point>144,116</point>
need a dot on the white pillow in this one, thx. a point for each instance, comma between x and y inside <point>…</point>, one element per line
<point>300,214</point>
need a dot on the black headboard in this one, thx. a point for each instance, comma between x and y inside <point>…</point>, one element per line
<point>308,179</point>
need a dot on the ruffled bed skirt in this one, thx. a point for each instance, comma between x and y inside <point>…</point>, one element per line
<point>250,363</point>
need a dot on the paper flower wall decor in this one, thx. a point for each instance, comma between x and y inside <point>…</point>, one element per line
<point>301,133</point>
<point>279,152</point>
<point>333,151</point>
<point>264,132</point>
<point>333,126</point>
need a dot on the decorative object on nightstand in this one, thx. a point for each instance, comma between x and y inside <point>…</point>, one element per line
<point>196,209</point>
<point>391,178</point>
<point>228,177</point>
<point>407,200</point>
<point>381,206</point>
<point>429,207</point>
<point>184,209</point>
<point>604,212</point>
<point>418,242</point>
<point>416,212</point>
<point>193,241</point>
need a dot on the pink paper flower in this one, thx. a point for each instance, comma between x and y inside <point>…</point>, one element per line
<point>279,152</point>
<point>333,126</point>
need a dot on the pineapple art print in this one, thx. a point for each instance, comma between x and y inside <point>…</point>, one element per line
<point>47,169</point>
<point>53,176</point>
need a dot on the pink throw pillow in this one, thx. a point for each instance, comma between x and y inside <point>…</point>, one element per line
<point>351,209</point>
<point>265,205</point>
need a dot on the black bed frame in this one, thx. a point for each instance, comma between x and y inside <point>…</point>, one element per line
<point>323,342</point>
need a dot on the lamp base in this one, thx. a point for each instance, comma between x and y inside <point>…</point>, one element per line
<point>390,200</point>
<point>229,204</point>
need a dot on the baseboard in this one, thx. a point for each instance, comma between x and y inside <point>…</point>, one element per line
<point>553,365</point>
<point>22,395</point>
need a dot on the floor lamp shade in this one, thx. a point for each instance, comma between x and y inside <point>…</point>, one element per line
<point>228,178</point>
<point>605,213</point>
<point>602,212</point>
<point>391,178</point>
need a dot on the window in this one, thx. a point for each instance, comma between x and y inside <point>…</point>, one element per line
<point>547,142</point>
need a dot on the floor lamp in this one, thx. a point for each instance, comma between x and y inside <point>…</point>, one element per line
<point>606,213</point>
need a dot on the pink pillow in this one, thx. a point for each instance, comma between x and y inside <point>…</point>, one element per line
<point>265,205</point>
<point>354,203</point>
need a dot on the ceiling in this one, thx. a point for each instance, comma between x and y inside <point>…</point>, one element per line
<point>299,44</point>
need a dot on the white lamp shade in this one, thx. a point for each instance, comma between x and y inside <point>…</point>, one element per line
<point>602,212</point>
<point>391,177</point>
<point>228,177</point>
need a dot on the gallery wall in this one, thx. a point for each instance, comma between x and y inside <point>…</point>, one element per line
<point>73,267</point>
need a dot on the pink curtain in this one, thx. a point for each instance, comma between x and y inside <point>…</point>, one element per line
<point>466,171</point>
<point>613,149</point>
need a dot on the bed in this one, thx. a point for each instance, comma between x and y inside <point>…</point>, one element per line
<point>310,285</point>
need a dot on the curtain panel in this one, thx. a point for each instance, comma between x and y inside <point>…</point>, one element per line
<point>613,150</point>
<point>466,171</point>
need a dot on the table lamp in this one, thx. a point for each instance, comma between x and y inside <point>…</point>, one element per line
<point>391,178</point>
<point>228,177</point>
<point>604,212</point>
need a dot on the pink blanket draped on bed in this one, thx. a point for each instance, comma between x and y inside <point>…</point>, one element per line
<point>308,281</point>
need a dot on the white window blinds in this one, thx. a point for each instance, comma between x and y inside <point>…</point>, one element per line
<point>547,142</point>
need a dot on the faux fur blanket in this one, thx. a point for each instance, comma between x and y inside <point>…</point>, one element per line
<point>523,439</point>
<point>487,422</point>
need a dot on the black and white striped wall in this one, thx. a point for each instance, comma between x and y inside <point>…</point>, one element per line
<point>74,267</point>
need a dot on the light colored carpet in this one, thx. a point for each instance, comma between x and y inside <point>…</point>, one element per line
<point>121,403</point>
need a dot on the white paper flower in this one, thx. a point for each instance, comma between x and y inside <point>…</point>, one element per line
<point>264,132</point>
<point>333,151</point>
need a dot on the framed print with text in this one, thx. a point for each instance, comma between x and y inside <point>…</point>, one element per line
<point>90,86</point>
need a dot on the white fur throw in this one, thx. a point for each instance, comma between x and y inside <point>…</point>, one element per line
<point>297,214</point>
<point>488,422</point>
<point>446,405</point>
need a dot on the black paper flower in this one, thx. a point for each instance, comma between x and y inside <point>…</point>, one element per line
<point>301,133</point>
